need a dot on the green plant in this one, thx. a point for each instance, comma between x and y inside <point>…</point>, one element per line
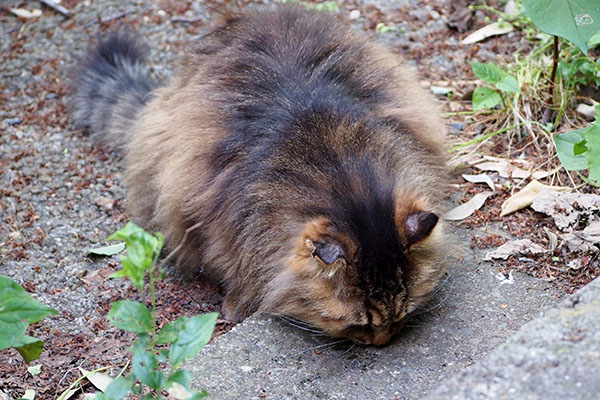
<point>537,90</point>
<point>485,97</point>
<point>580,149</point>
<point>154,351</point>
<point>17,310</point>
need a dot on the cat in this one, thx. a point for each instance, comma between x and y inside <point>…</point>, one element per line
<point>305,162</point>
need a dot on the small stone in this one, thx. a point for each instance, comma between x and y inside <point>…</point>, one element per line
<point>456,127</point>
<point>354,14</point>
<point>588,112</point>
<point>13,121</point>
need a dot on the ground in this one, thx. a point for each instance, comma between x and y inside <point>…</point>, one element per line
<point>59,195</point>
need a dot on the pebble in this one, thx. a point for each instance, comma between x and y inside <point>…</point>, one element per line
<point>354,14</point>
<point>586,111</point>
<point>456,127</point>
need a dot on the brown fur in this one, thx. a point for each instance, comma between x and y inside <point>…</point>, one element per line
<point>255,240</point>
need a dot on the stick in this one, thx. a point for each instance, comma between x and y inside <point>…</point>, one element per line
<point>56,7</point>
<point>111,18</point>
<point>186,19</point>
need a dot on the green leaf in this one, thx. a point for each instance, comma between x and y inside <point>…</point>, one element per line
<point>592,138</point>
<point>178,386</point>
<point>488,72</point>
<point>146,369</point>
<point>131,316</point>
<point>131,271</point>
<point>484,97</point>
<point>116,390</point>
<point>565,149</point>
<point>580,148</point>
<point>508,84</point>
<point>107,250</point>
<point>575,20</point>
<point>17,310</point>
<point>194,335</point>
<point>169,332</point>
<point>29,347</point>
<point>594,40</point>
<point>142,247</point>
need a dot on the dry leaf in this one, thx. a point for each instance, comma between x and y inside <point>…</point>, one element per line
<point>514,247</point>
<point>493,29</point>
<point>566,208</point>
<point>584,240</point>
<point>101,381</point>
<point>544,174</point>
<point>468,208</point>
<point>552,239</point>
<point>525,197</point>
<point>504,168</point>
<point>481,178</point>
<point>26,14</point>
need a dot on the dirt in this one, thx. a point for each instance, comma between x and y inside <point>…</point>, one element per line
<point>60,195</point>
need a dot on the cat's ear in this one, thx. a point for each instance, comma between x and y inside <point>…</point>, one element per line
<point>419,225</point>
<point>330,254</point>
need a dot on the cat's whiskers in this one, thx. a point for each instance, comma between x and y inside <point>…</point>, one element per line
<point>321,346</point>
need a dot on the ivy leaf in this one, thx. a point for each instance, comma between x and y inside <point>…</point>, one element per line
<point>565,149</point>
<point>592,138</point>
<point>484,97</point>
<point>131,316</point>
<point>575,20</point>
<point>194,335</point>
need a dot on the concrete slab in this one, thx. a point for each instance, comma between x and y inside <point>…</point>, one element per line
<point>555,357</point>
<point>472,313</point>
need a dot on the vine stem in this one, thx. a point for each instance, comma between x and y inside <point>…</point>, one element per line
<point>550,101</point>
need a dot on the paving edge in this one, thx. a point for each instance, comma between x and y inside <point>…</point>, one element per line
<point>555,356</point>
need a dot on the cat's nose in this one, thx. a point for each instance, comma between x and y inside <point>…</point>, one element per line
<point>381,336</point>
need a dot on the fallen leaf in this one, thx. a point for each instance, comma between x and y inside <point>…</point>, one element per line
<point>34,369</point>
<point>493,29</point>
<point>441,91</point>
<point>481,178</point>
<point>567,209</point>
<point>107,250</point>
<point>504,168</point>
<point>100,380</point>
<point>584,240</point>
<point>544,174</point>
<point>503,306</point>
<point>552,239</point>
<point>514,247</point>
<point>29,394</point>
<point>525,196</point>
<point>468,208</point>
<point>26,14</point>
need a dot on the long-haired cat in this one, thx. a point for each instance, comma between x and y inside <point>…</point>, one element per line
<point>307,160</point>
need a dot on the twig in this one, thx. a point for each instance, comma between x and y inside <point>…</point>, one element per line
<point>56,7</point>
<point>111,18</point>
<point>180,245</point>
<point>187,20</point>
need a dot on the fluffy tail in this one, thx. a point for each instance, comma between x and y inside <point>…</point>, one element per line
<point>110,88</point>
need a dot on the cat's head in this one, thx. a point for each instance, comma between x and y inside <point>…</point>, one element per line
<point>359,275</point>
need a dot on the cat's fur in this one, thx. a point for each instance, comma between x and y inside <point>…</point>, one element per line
<point>307,159</point>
